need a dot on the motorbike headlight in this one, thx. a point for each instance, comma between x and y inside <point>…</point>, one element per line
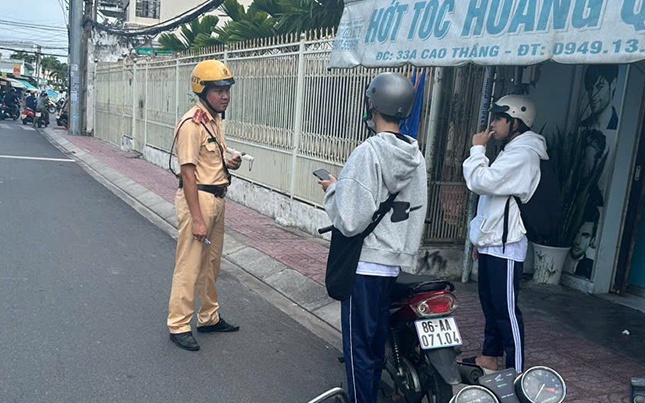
<point>436,305</point>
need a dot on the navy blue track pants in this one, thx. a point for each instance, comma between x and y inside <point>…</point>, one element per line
<point>365,322</point>
<point>499,285</point>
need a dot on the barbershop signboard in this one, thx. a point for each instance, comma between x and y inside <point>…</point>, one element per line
<point>378,33</point>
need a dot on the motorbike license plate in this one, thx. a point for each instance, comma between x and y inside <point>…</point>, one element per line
<point>37,114</point>
<point>439,332</point>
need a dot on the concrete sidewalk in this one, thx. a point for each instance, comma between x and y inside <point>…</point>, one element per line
<point>579,335</point>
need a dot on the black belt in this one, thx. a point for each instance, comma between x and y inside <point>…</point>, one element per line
<point>217,191</point>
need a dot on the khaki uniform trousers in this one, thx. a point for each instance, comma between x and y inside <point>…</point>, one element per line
<point>197,265</point>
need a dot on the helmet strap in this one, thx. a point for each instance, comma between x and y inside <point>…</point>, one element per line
<point>513,133</point>
<point>210,107</point>
<point>367,118</point>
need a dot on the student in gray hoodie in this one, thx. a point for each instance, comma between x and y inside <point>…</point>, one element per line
<point>386,163</point>
<point>501,253</point>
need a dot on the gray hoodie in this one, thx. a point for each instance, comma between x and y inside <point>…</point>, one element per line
<point>515,172</point>
<point>380,166</point>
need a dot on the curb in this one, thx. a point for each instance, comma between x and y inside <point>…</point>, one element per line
<point>290,291</point>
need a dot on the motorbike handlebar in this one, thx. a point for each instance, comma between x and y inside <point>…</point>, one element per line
<point>325,229</point>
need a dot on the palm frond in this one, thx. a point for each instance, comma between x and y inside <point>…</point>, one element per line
<point>172,42</point>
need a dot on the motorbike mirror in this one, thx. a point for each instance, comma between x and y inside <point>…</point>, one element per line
<point>334,395</point>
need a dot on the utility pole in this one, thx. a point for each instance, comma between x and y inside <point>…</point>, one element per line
<point>75,65</point>
<point>38,49</point>
<point>85,60</point>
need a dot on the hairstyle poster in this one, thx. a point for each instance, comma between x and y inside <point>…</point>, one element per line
<point>598,121</point>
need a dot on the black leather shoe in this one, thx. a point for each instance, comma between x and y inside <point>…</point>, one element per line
<point>220,327</point>
<point>185,341</point>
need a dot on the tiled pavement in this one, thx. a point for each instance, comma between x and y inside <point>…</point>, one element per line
<point>565,329</point>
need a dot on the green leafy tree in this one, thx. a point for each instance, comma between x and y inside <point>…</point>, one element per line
<point>28,58</point>
<point>50,63</point>
<point>196,34</point>
<point>250,24</point>
<point>59,75</point>
<point>302,15</point>
<point>266,18</point>
<point>56,69</point>
<point>263,19</point>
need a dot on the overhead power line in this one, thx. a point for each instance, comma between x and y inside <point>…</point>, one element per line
<point>33,26</point>
<point>31,51</point>
<point>31,45</point>
<point>155,29</point>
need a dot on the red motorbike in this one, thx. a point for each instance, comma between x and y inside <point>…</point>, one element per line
<point>421,351</point>
<point>27,116</point>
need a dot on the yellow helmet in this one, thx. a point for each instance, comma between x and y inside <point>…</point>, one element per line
<point>210,73</point>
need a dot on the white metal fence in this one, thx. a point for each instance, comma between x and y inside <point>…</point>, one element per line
<point>290,112</point>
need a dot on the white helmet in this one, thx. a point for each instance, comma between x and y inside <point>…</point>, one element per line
<point>516,106</point>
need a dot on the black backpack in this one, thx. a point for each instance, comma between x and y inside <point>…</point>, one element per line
<point>541,214</point>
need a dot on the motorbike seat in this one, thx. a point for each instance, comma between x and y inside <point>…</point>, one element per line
<point>407,284</point>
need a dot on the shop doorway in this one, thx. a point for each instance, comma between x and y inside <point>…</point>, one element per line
<point>630,271</point>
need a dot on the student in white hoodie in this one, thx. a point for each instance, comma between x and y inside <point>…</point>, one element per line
<point>386,163</point>
<point>501,253</point>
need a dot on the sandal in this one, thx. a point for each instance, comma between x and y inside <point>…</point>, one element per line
<point>473,361</point>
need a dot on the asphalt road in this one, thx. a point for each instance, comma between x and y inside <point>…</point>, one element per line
<point>84,286</point>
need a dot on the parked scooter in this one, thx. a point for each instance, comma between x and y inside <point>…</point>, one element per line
<point>27,116</point>
<point>421,355</point>
<point>62,119</point>
<point>52,106</point>
<point>535,385</point>
<point>60,104</point>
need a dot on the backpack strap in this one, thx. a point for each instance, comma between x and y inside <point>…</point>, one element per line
<point>506,213</point>
<point>505,231</point>
<point>380,213</point>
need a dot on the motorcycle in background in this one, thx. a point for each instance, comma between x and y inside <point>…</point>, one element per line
<point>40,119</point>
<point>62,119</point>
<point>27,116</point>
<point>9,112</point>
<point>14,111</point>
<point>52,106</point>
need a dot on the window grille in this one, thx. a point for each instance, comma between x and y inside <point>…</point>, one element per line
<point>148,9</point>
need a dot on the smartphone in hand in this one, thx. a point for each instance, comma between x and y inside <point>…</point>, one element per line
<point>322,174</point>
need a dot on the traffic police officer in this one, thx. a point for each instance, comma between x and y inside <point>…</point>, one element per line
<point>204,178</point>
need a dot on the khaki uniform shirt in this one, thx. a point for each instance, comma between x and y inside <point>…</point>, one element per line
<point>195,146</point>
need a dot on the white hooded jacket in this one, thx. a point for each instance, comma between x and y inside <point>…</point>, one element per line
<point>515,172</point>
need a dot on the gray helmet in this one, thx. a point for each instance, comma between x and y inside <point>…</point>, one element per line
<point>392,94</point>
